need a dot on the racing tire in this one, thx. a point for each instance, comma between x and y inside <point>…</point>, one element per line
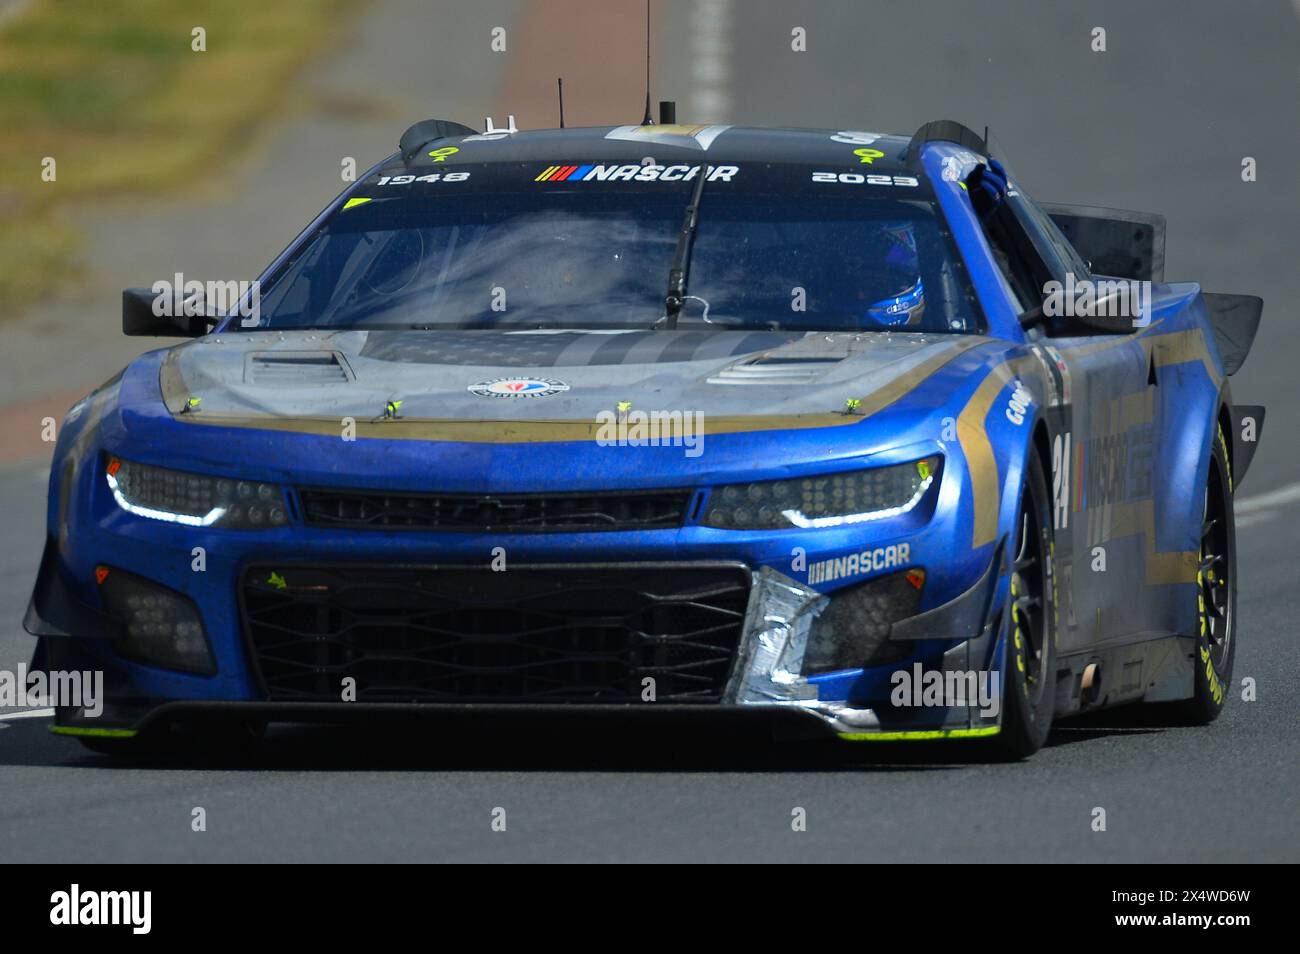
<point>1216,595</point>
<point>1029,670</point>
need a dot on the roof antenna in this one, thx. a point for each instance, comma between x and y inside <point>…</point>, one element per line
<point>649,119</point>
<point>559,82</point>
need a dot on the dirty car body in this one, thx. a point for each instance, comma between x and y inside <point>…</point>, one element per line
<point>459,458</point>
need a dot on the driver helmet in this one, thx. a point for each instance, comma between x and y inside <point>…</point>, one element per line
<point>900,271</point>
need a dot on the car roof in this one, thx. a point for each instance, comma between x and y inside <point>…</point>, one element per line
<point>665,144</point>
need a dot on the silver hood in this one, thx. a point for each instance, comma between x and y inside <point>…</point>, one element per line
<point>448,375</point>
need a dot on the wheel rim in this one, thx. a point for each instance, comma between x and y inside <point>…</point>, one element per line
<point>1213,574</point>
<point>1028,622</point>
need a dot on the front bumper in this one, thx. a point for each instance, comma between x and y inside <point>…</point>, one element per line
<point>794,576</point>
<point>764,677</point>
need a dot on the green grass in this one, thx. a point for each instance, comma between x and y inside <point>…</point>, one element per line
<point>114,93</point>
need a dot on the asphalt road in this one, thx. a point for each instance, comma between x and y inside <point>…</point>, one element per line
<point>1160,121</point>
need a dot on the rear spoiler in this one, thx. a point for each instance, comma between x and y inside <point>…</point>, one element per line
<point>1115,242</point>
<point>1234,320</point>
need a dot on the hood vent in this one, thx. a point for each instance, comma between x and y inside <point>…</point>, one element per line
<point>294,369</point>
<point>773,369</point>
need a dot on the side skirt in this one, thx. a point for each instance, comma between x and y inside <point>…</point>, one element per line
<point>1145,667</point>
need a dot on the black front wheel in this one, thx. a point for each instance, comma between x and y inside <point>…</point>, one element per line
<point>1028,675</point>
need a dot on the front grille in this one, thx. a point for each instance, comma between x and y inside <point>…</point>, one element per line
<point>376,510</point>
<point>469,634</point>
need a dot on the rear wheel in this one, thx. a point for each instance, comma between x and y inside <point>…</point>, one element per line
<point>1216,595</point>
<point>1028,686</point>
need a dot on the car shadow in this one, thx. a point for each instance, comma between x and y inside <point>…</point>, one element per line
<point>1149,719</point>
<point>541,745</point>
<point>542,742</point>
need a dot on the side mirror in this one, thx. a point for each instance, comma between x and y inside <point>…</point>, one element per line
<point>1121,308</point>
<point>1032,318</point>
<point>140,317</point>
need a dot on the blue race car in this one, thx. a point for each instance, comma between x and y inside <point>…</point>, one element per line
<point>838,429</point>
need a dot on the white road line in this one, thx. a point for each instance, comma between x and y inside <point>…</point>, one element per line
<point>1274,498</point>
<point>1252,519</point>
<point>28,714</point>
<point>711,61</point>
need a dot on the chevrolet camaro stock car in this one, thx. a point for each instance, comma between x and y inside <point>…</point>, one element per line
<point>837,428</point>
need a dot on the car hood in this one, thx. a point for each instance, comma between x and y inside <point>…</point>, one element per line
<point>538,375</point>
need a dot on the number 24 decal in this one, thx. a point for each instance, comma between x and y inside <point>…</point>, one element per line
<point>1061,481</point>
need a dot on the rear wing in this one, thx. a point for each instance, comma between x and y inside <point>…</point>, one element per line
<point>1115,242</point>
<point>1234,319</point>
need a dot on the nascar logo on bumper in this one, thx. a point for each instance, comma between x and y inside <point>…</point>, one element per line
<point>632,172</point>
<point>518,387</point>
<point>855,564</point>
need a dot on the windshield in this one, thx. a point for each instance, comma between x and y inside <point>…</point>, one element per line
<point>843,259</point>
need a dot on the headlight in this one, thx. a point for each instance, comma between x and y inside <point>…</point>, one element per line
<point>194,500</point>
<point>830,501</point>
